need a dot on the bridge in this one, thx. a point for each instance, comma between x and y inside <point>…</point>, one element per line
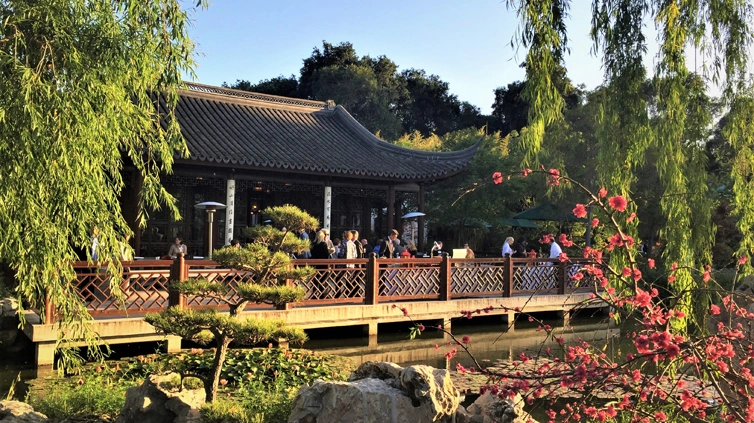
<point>341,293</point>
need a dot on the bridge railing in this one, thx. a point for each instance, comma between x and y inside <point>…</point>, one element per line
<point>145,284</point>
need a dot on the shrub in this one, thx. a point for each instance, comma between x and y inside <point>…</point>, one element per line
<point>87,395</point>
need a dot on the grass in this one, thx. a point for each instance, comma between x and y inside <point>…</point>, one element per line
<point>260,384</point>
<point>89,395</point>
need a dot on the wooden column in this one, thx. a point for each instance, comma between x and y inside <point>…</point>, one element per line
<point>397,224</point>
<point>562,274</point>
<point>390,221</point>
<point>446,277</point>
<point>420,224</point>
<point>508,276</point>
<point>372,281</point>
<point>178,272</point>
<point>366,220</point>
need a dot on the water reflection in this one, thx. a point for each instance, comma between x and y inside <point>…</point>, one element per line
<point>489,342</point>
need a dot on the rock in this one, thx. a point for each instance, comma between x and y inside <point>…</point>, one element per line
<point>377,370</point>
<point>150,402</point>
<point>8,307</point>
<point>379,392</point>
<point>19,412</point>
<point>491,409</point>
<point>427,385</point>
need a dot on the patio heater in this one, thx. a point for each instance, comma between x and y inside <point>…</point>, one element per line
<point>210,207</point>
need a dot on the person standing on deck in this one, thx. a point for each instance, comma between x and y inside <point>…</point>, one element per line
<point>386,248</point>
<point>555,249</point>
<point>507,250</point>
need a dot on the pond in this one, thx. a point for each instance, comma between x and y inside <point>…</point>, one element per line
<point>489,343</point>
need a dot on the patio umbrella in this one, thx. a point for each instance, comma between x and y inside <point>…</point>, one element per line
<point>412,214</point>
<point>521,223</point>
<point>548,212</point>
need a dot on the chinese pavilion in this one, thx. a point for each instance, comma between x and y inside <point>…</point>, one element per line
<point>251,151</point>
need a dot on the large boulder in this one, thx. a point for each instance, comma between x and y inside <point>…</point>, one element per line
<point>156,401</point>
<point>19,412</point>
<point>379,392</point>
<point>489,408</point>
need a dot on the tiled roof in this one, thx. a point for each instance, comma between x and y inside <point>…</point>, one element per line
<point>259,131</point>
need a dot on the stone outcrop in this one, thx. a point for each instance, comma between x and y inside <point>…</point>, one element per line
<point>380,392</point>
<point>491,409</point>
<point>19,412</point>
<point>8,323</point>
<point>151,402</point>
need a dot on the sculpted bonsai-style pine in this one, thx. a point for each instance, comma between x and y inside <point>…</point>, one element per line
<point>266,265</point>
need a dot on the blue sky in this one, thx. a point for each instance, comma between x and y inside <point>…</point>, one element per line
<point>466,43</point>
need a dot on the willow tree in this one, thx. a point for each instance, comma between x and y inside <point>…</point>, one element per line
<point>266,265</point>
<point>77,85</point>
<point>675,126</point>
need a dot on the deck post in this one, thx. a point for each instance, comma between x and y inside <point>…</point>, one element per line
<point>445,278</point>
<point>372,281</point>
<point>508,276</point>
<point>178,272</point>
<point>50,314</point>
<point>562,276</point>
<point>45,353</point>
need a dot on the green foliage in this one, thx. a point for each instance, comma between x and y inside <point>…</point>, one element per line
<point>257,406</point>
<point>386,102</point>
<point>271,294</point>
<point>194,324</point>
<point>257,367</point>
<point>79,80</point>
<point>267,268</point>
<point>279,85</point>
<point>82,396</point>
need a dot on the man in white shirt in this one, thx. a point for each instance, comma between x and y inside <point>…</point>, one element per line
<point>554,249</point>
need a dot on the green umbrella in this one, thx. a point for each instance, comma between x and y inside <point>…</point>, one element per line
<point>521,223</point>
<point>550,212</point>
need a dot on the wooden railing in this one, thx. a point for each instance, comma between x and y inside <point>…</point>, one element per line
<point>145,284</point>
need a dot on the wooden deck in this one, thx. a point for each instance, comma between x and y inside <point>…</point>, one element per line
<point>341,293</point>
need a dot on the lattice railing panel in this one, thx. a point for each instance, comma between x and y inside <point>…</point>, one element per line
<point>401,281</point>
<point>476,279</point>
<point>335,283</point>
<point>143,290</point>
<point>588,281</point>
<point>535,278</point>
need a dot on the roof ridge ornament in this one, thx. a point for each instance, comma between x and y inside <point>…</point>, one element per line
<point>330,104</point>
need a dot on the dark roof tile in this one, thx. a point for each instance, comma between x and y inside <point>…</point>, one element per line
<point>262,131</point>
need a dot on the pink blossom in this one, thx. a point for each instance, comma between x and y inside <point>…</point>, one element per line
<point>618,202</point>
<point>595,222</point>
<point>651,263</point>
<point>497,178</point>
<point>603,192</point>
<point>579,211</point>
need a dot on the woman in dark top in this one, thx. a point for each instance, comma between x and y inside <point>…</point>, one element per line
<point>319,249</point>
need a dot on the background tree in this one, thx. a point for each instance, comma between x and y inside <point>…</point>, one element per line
<point>78,79</point>
<point>723,31</point>
<point>266,264</point>
<point>279,85</point>
<point>375,93</point>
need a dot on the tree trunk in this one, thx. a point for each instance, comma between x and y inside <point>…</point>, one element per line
<point>217,367</point>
